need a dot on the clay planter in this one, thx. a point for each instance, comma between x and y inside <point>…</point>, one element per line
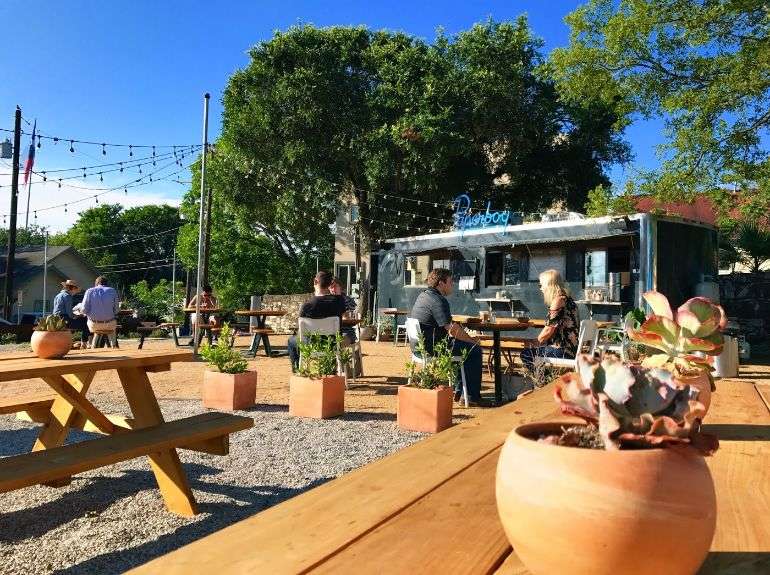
<point>703,384</point>
<point>596,512</point>
<point>50,344</point>
<point>229,391</point>
<point>368,333</point>
<point>318,398</point>
<point>426,410</point>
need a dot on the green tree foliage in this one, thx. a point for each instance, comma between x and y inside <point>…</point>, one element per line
<point>700,65</point>
<point>34,235</point>
<point>156,302</point>
<point>745,242</point>
<point>112,224</point>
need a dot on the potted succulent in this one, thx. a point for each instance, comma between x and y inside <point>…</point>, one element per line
<point>316,390</point>
<point>685,341</point>
<point>425,403</point>
<point>605,493</point>
<point>51,338</point>
<point>229,385</point>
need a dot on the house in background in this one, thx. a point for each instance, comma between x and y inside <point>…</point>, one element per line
<point>345,251</point>
<point>64,262</point>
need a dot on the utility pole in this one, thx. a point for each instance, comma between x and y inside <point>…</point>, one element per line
<point>11,257</point>
<point>201,223</point>
<point>173,281</point>
<point>45,274</point>
<point>207,238</point>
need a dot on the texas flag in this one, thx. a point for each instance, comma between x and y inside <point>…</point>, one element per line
<point>30,156</point>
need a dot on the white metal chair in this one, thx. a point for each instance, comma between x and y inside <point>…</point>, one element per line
<point>322,326</point>
<point>400,333</point>
<point>618,348</point>
<point>586,339</point>
<point>413,334</point>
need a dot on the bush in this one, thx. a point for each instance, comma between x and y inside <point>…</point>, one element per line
<point>318,355</point>
<point>221,356</point>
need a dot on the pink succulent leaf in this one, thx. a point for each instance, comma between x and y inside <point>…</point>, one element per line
<point>722,318</point>
<point>587,368</point>
<point>700,316</point>
<point>659,304</point>
<point>608,424</point>
<point>575,398</point>
<point>689,344</point>
<point>653,393</point>
<point>657,360</point>
<point>658,332</point>
<point>618,379</point>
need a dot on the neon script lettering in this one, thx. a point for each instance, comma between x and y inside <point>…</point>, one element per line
<point>465,220</point>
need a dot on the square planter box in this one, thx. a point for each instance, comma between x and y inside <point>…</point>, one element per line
<point>426,410</point>
<point>229,391</point>
<point>317,397</point>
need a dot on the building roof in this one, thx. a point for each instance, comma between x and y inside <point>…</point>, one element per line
<point>29,260</point>
<point>701,209</point>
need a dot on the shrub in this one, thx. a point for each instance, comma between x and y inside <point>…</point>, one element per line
<point>222,356</point>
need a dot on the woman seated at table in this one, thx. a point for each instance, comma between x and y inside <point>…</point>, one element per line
<point>559,337</point>
<point>208,301</point>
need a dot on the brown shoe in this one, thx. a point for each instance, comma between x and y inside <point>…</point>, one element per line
<point>480,402</point>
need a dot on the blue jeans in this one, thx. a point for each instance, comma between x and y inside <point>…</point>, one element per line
<point>293,350</point>
<point>472,367</point>
<point>528,355</point>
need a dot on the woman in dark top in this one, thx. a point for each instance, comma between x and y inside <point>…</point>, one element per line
<point>559,337</point>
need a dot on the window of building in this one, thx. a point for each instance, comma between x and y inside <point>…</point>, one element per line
<point>596,268</point>
<point>503,269</point>
<point>353,214</point>
<point>416,269</point>
<point>347,275</point>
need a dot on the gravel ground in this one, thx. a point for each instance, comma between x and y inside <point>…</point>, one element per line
<point>113,518</point>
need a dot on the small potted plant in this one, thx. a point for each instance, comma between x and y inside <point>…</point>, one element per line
<point>425,403</point>
<point>316,390</point>
<point>686,341</point>
<point>51,338</point>
<point>386,328</point>
<point>368,331</point>
<point>605,493</point>
<point>229,385</point>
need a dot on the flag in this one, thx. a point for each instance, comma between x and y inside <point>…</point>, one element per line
<point>30,156</point>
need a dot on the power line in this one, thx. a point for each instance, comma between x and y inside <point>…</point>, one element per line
<point>139,269</point>
<point>129,241</point>
<point>104,145</point>
<point>133,263</point>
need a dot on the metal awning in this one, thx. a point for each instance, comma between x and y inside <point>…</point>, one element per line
<point>524,234</point>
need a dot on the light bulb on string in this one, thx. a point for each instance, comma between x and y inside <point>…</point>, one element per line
<point>84,173</point>
<point>130,150</point>
<point>60,183</point>
<point>121,167</point>
<point>72,146</point>
<point>44,176</point>
<point>55,141</point>
<point>35,215</point>
<point>97,199</point>
<point>101,178</point>
<point>65,208</point>
<point>125,190</point>
<point>104,149</point>
<point>39,145</point>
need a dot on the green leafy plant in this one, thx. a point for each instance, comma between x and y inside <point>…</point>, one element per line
<point>222,356</point>
<point>319,355</point>
<point>438,371</point>
<point>386,326</point>
<point>685,341</point>
<point>633,407</point>
<point>51,323</point>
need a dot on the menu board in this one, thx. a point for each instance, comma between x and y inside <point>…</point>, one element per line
<point>512,270</point>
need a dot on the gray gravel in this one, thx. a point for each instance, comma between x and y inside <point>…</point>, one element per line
<point>113,518</point>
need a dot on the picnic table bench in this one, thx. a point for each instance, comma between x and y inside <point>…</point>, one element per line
<point>430,508</point>
<point>145,434</point>
<point>145,330</point>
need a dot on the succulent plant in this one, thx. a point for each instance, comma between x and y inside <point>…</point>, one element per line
<point>685,340</point>
<point>51,323</point>
<point>633,406</point>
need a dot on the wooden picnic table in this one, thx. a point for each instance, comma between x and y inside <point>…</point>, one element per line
<point>145,434</point>
<point>430,508</point>
<point>204,325</point>
<point>261,333</point>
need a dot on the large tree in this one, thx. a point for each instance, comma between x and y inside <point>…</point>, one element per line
<point>321,115</point>
<point>126,244</point>
<point>702,65</point>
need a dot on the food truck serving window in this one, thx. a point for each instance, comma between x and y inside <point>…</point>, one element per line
<point>502,269</point>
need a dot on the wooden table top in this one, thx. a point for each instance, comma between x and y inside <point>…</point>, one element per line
<point>261,312</point>
<point>394,312</point>
<point>30,366</point>
<point>204,310</point>
<point>350,321</point>
<point>431,507</point>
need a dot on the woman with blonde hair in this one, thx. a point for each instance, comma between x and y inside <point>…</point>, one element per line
<point>559,337</point>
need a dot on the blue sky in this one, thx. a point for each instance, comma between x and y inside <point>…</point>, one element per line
<point>135,72</point>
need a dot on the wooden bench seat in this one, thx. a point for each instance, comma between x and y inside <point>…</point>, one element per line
<point>145,330</point>
<point>62,462</point>
<point>262,330</point>
<point>16,404</point>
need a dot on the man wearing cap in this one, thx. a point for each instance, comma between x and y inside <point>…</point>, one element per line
<point>62,307</point>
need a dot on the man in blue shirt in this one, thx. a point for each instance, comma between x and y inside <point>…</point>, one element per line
<point>100,305</point>
<point>62,307</point>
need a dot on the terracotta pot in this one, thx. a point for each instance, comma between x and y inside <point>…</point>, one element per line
<point>426,410</point>
<point>318,398</point>
<point>596,512</point>
<point>703,384</point>
<point>229,391</point>
<point>368,333</point>
<point>50,344</point>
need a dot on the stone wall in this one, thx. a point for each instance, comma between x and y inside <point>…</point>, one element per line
<point>746,299</point>
<point>289,303</point>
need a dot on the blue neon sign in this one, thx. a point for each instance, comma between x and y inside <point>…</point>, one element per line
<point>464,220</point>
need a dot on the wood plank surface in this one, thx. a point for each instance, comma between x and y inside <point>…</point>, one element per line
<point>89,360</point>
<point>304,531</point>
<point>37,467</point>
<point>26,402</point>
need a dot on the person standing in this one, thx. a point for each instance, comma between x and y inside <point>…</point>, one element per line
<point>431,309</point>
<point>62,307</point>
<point>100,306</point>
<point>323,304</point>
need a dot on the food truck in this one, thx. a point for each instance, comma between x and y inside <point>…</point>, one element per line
<point>607,262</point>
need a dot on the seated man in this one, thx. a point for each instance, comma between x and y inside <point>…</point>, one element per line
<point>322,304</point>
<point>431,309</point>
<point>63,305</point>
<point>100,306</point>
<point>349,333</point>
